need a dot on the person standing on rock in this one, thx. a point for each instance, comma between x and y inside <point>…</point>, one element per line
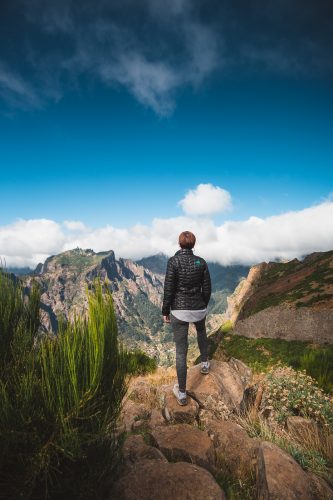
<point>187,291</point>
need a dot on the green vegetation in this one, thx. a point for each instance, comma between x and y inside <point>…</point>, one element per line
<point>310,451</point>
<point>312,286</point>
<point>296,393</point>
<point>59,397</point>
<point>149,311</point>
<point>236,489</point>
<point>139,363</point>
<point>79,259</point>
<point>261,354</point>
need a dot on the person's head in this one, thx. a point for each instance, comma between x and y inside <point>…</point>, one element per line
<point>186,239</point>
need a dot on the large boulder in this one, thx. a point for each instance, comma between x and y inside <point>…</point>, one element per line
<point>225,381</point>
<point>236,451</point>
<point>279,476</point>
<point>154,479</point>
<point>183,442</point>
<point>173,412</point>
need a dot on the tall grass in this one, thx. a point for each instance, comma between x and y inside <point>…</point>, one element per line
<point>59,397</point>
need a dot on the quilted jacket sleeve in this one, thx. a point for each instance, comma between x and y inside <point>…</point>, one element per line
<point>169,287</point>
<point>206,285</point>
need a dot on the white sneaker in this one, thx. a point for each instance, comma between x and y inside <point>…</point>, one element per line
<point>205,367</point>
<point>180,396</point>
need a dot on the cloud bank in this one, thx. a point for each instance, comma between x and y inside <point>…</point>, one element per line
<point>285,236</point>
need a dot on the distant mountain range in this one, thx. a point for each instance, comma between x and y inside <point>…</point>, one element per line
<point>137,289</point>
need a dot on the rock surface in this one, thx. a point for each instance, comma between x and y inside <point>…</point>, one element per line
<point>292,300</point>
<point>132,412</point>
<point>236,451</point>
<point>173,412</point>
<point>279,476</point>
<point>156,418</point>
<point>154,479</point>
<point>224,382</point>
<point>183,442</point>
<point>135,449</point>
<point>282,322</point>
<point>320,488</point>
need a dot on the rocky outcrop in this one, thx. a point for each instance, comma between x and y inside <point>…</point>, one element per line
<point>184,442</point>
<point>279,476</point>
<point>225,382</point>
<point>292,300</point>
<point>154,479</point>
<point>175,413</point>
<point>242,292</point>
<point>213,443</point>
<point>136,449</point>
<point>236,452</point>
<point>289,323</point>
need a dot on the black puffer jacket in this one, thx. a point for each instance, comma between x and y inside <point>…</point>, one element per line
<point>187,282</point>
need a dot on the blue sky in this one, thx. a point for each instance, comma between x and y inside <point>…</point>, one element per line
<point>108,124</point>
<point>103,158</point>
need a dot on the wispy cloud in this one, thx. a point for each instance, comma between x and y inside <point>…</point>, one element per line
<point>155,49</point>
<point>18,92</point>
<point>171,51</point>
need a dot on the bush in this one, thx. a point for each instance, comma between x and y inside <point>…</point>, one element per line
<point>59,397</point>
<point>139,363</point>
<point>295,393</point>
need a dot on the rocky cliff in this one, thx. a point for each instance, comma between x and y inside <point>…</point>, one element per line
<point>292,300</point>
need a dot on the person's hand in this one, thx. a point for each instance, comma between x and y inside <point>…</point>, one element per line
<point>167,318</point>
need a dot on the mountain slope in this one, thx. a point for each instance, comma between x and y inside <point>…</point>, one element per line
<point>292,300</point>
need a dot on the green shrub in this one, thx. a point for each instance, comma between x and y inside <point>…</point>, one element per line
<point>139,363</point>
<point>295,393</point>
<point>59,397</point>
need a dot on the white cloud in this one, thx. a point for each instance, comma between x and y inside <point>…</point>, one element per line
<point>206,199</point>
<point>289,235</point>
<point>75,225</point>
<point>27,242</point>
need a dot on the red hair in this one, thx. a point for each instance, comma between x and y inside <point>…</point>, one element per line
<point>186,239</point>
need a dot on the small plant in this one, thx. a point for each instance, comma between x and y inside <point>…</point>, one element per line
<point>296,393</point>
<point>139,363</point>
